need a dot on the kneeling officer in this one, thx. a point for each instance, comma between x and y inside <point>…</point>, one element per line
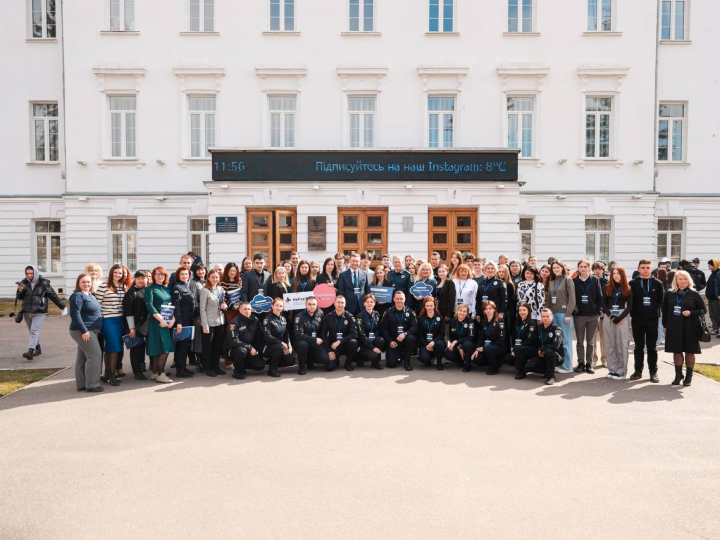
<point>244,337</point>
<point>309,346</point>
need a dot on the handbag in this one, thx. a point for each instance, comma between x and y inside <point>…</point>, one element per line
<point>19,316</point>
<point>131,343</point>
<point>703,332</point>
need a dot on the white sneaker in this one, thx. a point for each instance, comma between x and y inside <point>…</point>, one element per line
<point>152,376</point>
<point>162,378</point>
<point>561,370</point>
<point>617,378</point>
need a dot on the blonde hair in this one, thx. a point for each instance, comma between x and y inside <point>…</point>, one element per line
<point>94,266</point>
<point>490,263</point>
<point>281,267</point>
<point>506,279</point>
<point>691,283</point>
<point>465,306</point>
<point>422,267</point>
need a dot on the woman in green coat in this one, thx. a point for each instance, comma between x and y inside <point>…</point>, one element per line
<point>159,339</point>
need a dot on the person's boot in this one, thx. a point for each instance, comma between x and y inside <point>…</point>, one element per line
<point>29,354</point>
<point>239,374</point>
<point>589,369</point>
<point>376,365</point>
<point>580,367</point>
<point>654,377</point>
<point>636,376</point>
<point>348,365</point>
<point>688,377</point>
<point>678,376</point>
<point>520,376</point>
<point>302,369</point>
<point>407,365</point>
<point>273,372</point>
<point>38,350</point>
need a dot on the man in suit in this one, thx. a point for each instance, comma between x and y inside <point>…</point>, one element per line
<point>256,281</point>
<point>353,284</point>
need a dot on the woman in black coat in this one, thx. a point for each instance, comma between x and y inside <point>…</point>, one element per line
<point>34,291</point>
<point>445,294</point>
<point>185,304</point>
<point>328,275</point>
<point>682,306</point>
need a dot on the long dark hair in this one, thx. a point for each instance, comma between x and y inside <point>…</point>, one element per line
<point>111,282</point>
<point>610,288</point>
<point>225,278</point>
<point>535,272</point>
<point>334,273</point>
<point>296,279</point>
<point>529,310</point>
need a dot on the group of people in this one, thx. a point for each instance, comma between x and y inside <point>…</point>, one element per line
<point>474,313</point>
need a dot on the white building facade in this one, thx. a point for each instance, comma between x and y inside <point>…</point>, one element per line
<point>111,107</point>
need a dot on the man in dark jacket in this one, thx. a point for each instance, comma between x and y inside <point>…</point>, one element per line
<point>648,294</point>
<point>588,297</point>
<point>257,281</point>
<point>339,334</point>
<point>353,284</point>
<point>697,275</point>
<point>712,291</point>
<point>551,350</point>
<point>309,345</point>
<point>34,291</point>
<point>398,329</point>
<point>244,337</point>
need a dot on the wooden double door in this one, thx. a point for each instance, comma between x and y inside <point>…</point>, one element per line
<point>272,232</point>
<point>452,229</point>
<point>363,229</point>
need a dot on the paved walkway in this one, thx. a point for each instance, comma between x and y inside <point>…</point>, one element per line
<point>361,455</point>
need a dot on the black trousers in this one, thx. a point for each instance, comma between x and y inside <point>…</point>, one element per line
<point>137,358</point>
<point>349,349</point>
<point>182,348</point>
<point>645,334</point>
<point>523,354</point>
<point>545,365</point>
<point>366,354</point>
<point>212,347</point>
<point>454,356</point>
<point>242,360</point>
<point>402,352</point>
<point>491,356</point>
<point>313,353</point>
<point>276,357</point>
<point>438,352</point>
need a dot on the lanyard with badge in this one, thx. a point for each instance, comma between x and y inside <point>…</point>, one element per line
<point>584,298</point>
<point>518,334</point>
<point>486,330</point>
<point>121,294</point>
<point>371,324</point>
<point>459,328</point>
<point>259,277</point>
<point>677,310</point>
<point>399,316</point>
<point>281,326</point>
<point>429,327</point>
<point>544,336</point>
<point>313,324</point>
<point>553,300</point>
<point>615,309</point>
<point>485,290</point>
<point>646,298</point>
<point>356,287</point>
<point>339,324</point>
<point>460,299</point>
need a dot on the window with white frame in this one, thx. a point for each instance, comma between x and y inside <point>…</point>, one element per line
<point>598,126</point>
<point>124,242</point>
<point>122,15</point>
<point>600,15</point>
<point>527,225</point>
<point>123,126</point>
<point>597,239</point>
<point>199,235</point>
<point>202,15</point>
<point>45,132</point>
<point>673,20</point>
<point>362,121</point>
<point>43,19</point>
<point>520,16</point>
<point>202,125</point>
<point>671,133</point>
<point>670,239</point>
<point>282,121</point>
<point>47,246</point>
<point>282,15</point>
<point>362,16</point>
<point>441,121</point>
<point>442,16</point>
<point>520,111</point>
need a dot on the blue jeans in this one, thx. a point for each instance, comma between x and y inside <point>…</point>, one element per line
<point>559,319</point>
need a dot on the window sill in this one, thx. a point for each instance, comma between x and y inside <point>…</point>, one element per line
<point>521,34</point>
<point>188,33</point>
<point>531,161</point>
<point>582,163</point>
<point>194,161</point>
<point>442,33</point>
<point>605,33</point>
<point>43,163</point>
<point>358,33</point>
<point>119,33</point>
<point>280,33</point>
<point>675,42</point>
<point>121,163</point>
<point>41,40</point>
<point>672,164</point>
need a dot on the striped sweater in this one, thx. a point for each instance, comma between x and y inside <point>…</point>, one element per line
<point>110,301</point>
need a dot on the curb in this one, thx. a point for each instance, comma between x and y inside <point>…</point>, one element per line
<point>61,370</point>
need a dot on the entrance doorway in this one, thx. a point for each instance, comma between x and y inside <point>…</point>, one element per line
<point>273,233</point>
<point>363,229</point>
<point>452,229</point>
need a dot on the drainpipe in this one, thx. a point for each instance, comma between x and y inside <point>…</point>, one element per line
<point>657,103</point>
<point>62,45</point>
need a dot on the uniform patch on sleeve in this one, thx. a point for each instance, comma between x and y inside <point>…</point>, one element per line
<point>297,320</point>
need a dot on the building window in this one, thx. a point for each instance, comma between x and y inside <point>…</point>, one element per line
<point>520,15</point>
<point>45,132</point>
<point>598,121</point>
<point>202,15</point>
<point>202,126</point>
<point>670,239</point>
<point>442,16</point>
<point>122,15</point>
<point>526,237</point>
<point>673,22</point>
<point>362,122</point>
<point>520,112</point>
<point>671,134</point>
<point>597,239</point>
<point>43,17</point>
<point>282,121</point>
<point>282,15</point>
<point>441,122</point>
<point>122,126</point>
<point>124,242</point>
<point>362,15</point>
<point>600,15</point>
<point>47,246</point>
<point>199,244</point>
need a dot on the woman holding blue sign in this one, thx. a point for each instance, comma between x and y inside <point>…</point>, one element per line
<point>159,340</point>
<point>370,344</point>
<point>425,276</point>
<point>617,305</point>
<point>212,318</point>
<point>379,279</point>
<point>681,310</point>
<point>185,304</point>
<point>431,334</point>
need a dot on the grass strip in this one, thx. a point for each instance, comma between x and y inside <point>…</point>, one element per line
<point>13,380</point>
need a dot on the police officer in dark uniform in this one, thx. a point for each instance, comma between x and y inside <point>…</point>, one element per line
<point>339,334</point>
<point>401,279</point>
<point>491,288</point>
<point>461,337</point>
<point>431,334</point>
<point>276,337</point>
<point>491,349</point>
<point>244,341</point>
<point>309,346</point>
<point>648,294</point>
<point>550,351</point>
<point>399,328</point>
<point>524,341</point>
<point>370,343</point>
